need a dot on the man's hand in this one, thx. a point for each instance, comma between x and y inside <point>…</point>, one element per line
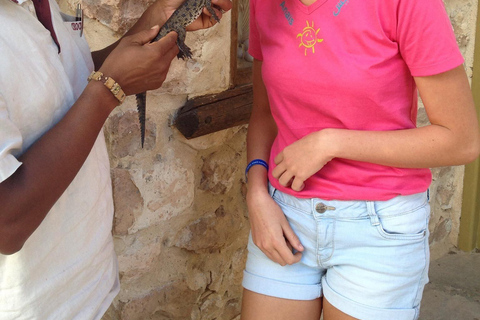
<point>156,15</point>
<point>138,65</point>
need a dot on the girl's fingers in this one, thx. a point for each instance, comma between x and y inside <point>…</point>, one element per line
<point>278,171</point>
<point>276,257</point>
<point>286,254</point>
<point>286,179</point>
<point>292,239</point>
<point>278,158</point>
<point>298,184</point>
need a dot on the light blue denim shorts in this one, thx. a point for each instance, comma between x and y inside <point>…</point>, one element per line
<point>369,259</point>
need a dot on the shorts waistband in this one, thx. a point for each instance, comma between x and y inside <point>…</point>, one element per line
<point>352,208</point>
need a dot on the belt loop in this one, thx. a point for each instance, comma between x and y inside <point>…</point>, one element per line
<point>271,190</point>
<point>372,213</point>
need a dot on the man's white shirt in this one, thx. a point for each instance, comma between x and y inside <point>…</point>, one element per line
<point>67,269</point>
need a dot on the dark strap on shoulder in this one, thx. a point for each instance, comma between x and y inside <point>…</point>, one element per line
<point>44,15</point>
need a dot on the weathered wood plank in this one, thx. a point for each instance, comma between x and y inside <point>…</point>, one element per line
<point>233,43</point>
<point>212,113</point>
<point>239,74</point>
<point>243,76</point>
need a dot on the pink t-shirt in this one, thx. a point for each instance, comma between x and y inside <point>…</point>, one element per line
<point>349,64</point>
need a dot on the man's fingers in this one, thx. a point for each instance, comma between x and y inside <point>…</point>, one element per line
<point>167,46</point>
<point>224,5</point>
<point>218,12</point>
<point>170,40</point>
<point>145,36</point>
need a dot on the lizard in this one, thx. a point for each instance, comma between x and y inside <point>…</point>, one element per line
<point>188,12</point>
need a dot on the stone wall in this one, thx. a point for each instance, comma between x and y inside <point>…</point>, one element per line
<point>181,225</point>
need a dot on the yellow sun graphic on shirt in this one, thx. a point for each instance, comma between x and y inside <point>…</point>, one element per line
<point>309,38</point>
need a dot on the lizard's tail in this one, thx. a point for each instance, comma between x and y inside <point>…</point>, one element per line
<point>141,107</point>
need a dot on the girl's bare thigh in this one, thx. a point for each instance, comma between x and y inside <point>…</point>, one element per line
<point>257,306</point>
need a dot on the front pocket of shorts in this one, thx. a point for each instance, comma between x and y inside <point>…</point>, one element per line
<point>405,226</point>
<point>291,208</point>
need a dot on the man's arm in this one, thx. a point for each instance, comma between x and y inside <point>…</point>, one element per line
<point>52,162</point>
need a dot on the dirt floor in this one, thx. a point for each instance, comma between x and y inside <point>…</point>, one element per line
<point>454,289</point>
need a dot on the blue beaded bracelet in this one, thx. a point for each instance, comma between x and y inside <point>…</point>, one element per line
<point>253,163</point>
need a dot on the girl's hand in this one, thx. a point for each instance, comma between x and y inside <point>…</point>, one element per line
<point>271,231</point>
<point>302,159</point>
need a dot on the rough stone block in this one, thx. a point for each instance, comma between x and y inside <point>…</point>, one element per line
<point>123,134</point>
<point>174,301</point>
<point>207,233</point>
<point>127,199</point>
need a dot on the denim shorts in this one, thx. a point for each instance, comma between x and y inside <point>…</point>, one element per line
<point>369,259</point>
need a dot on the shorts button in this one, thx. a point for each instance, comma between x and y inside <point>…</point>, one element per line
<point>321,207</point>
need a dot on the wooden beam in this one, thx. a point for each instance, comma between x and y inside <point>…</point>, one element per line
<point>233,43</point>
<point>469,237</point>
<point>469,222</point>
<point>240,74</point>
<point>211,113</point>
<point>243,76</point>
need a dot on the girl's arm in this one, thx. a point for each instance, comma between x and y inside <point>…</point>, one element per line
<point>270,229</point>
<point>452,138</point>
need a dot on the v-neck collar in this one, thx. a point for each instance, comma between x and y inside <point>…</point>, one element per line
<point>19,1</point>
<point>44,16</point>
<point>311,8</point>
